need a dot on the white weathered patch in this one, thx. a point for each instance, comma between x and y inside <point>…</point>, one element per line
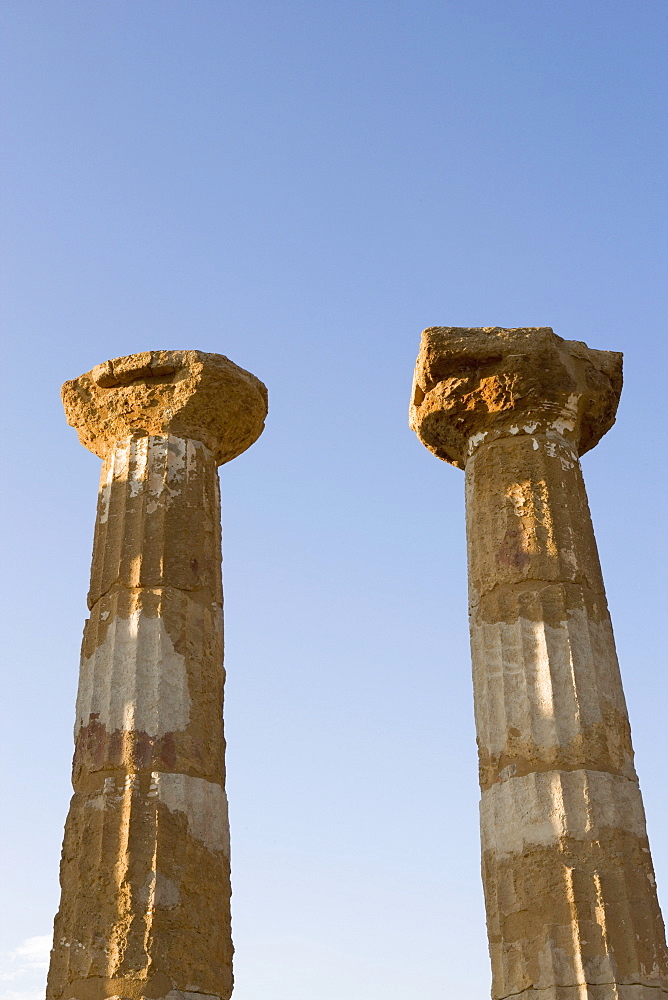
<point>544,700</point>
<point>566,422</point>
<point>193,456</point>
<point>559,447</point>
<point>540,809</point>
<point>98,801</point>
<point>203,802</point>
<point>167,462</point>
<point>547,682</point>
<point>158,890</point>
<point>135,679</point>
<point>104,492</point>
<point>108,795</point>
<point>157,462</point>
<point>530,428</point>
<point>170,461</point>
<point>177,449</point>
<point>475,440</point>
<point>569,556</point>
<point>137,465</point>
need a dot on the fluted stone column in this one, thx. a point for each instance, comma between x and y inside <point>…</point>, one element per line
<point>572,911</point>
<point>145,906</point>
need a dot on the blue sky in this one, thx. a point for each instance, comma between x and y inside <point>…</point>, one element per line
<point>303,186</point>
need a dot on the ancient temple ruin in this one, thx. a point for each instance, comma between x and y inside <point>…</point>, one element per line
<point>572,910</point>
<point>145,905</point>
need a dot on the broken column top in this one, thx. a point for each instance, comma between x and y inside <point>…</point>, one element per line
<point>187,393</point>
<point>476,384</point>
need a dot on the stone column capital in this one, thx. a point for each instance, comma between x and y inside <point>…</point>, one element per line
<point>189,394</point>
<point>476,384</point>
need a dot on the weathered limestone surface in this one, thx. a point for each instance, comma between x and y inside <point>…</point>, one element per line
<point>572,910</point>
<point>145,906</point>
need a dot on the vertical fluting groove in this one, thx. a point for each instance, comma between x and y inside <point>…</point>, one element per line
<point>122,925</point>
<point>576,935</point>
<point>151,896</point>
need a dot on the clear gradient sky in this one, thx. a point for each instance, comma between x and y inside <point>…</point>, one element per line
<point>303,186</point>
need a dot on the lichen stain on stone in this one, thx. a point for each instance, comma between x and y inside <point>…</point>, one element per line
<point>515,548</point>
<point>98,748</point>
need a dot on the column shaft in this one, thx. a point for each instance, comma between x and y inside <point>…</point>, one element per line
<point>145,908</point>
<point>569,886</point>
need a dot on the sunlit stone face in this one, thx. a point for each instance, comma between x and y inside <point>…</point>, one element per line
<point>190,394</point>
<point>473,383</point>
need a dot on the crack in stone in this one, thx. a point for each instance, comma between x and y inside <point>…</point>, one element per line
<point>139,590</point>
<point>572,986</point>
<point>549,769</point>
<point>150,588</point>
<point>526,583</point>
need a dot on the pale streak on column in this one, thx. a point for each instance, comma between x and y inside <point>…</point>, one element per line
<point>572,910</point>
<point>145,873</point>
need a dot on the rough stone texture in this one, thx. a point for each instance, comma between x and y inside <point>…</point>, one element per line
<point>572,911</point>
<point>495,382</point>
<point>145,906</point>
<point>189,394</point>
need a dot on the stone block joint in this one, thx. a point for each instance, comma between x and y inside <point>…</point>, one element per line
<point>145,871</point>
<point>572,910</point>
